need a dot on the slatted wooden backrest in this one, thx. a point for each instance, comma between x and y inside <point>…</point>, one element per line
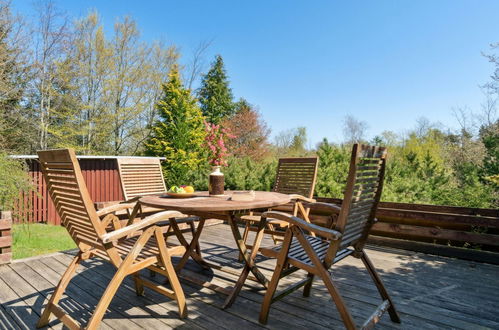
<point>68,191</point>
<point>141,176</point>
<point>296,176</point>
<point>362,194</point>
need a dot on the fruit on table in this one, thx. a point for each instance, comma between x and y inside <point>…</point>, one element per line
<point>183,189</point>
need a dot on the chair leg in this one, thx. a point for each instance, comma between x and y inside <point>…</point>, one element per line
<point>269,294</point>
<point>59,290</point>
<point>107,297</point>
<point>276,276</point>
<point>381,287</point>
<point>139,286</point>
<point>338,300</point>
<point>121,273</point>
<point>308,286</point>
<point>272,229</point>
<point>152,273</point>
<point>166,260</point>
<point>323,273</point>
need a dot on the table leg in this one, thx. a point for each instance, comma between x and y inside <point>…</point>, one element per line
<point>249,259</point>
<point>134,214</point>
<point>190,248</point>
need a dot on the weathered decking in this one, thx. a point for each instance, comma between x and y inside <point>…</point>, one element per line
<point>430,293</point>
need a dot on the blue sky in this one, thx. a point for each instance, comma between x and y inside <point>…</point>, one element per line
<point>311,63</point>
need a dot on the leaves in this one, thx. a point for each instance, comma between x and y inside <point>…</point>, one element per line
<point>179,132</point>
<point>215,96</point>
<point>13,181</point>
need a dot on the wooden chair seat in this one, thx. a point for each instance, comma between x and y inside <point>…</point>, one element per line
<point>257,218</point>
<point>297,253</point>
<point>150,249</point>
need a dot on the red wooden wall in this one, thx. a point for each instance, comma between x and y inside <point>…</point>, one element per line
<point>101,176</point>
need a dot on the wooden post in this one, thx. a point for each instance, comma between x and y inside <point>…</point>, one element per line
<point>5,237</point>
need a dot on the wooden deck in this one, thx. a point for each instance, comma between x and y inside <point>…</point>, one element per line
<point>430,293</point>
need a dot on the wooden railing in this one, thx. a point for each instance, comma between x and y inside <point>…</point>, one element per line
<point>461,232</point>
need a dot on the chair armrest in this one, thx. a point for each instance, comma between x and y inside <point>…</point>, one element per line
<point>302,198</point>
<point>321,231</point>
<point>326,207</point>
<point>114,208</point>
<point>151,220</point>
<point>133,200</point>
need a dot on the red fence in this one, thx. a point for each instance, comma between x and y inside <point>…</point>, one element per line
<point>102,179</point>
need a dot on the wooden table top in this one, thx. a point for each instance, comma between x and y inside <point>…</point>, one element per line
<point>202,202</point>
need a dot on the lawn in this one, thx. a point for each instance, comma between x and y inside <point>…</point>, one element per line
<point>35,239</point>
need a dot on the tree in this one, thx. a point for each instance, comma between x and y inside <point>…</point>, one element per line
<point>90,62</point>
<point>16,123</point>
<point>50,37</point>
<point>113,84</point>
<point>354,130</point>
<point>490,139</point>
<point>161,60</point>
<point>179,133</point>
<point>196,65</point>
<point>250,132</point>
<point>215,96</point>
<point>13,181</point>
<point>333,169</point>
<point>125,86</point>
<point>291,142</point>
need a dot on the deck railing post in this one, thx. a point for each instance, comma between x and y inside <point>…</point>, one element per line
<point>5,237</point>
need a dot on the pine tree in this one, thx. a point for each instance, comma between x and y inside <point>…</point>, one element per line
<point>215,95</point>
<point>179,133</point>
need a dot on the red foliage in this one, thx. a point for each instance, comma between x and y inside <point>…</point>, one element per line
<point>251,133</point>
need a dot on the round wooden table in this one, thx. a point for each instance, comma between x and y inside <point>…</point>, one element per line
<point>202,202</point>
<point>223,208</point>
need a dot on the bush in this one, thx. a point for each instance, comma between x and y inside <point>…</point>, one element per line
<point>247,174</point>
<point>14,179</point>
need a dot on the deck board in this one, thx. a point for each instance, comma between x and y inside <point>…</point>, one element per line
<point>430,292</point>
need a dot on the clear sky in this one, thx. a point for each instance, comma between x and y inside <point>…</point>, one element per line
<point>310,63</point>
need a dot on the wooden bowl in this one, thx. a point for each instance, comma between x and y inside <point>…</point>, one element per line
<point>176,195</point>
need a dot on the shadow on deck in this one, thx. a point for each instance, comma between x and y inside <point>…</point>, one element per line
<point>430,293</point>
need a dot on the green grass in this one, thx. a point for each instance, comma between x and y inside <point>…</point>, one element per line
<point>36,239</point>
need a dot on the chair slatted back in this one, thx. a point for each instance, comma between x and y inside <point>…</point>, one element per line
<point>72,201</point>
<point>362,194</point>
<point>296,176</point>
<point>141,177</point>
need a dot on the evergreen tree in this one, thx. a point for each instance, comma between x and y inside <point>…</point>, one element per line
<point>215,95</point>
<point>490,139</point>
<point>179,133</point>
<point>332,174</point>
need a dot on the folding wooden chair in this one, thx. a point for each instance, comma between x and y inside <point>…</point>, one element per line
<point>143,176</point>
<point>123,248</point>
<point>347,237</point>
<point>296,177</point>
